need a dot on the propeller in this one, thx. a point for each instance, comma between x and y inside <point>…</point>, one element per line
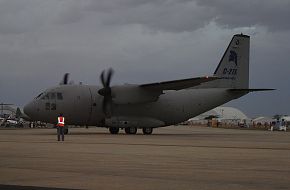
<point>106,92</point>
<point>65,79</point>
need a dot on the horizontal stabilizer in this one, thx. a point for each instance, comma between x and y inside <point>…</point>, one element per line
<point>251,90</point>
<point>178,84</point>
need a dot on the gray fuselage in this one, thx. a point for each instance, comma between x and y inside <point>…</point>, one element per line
<point>82,105</point>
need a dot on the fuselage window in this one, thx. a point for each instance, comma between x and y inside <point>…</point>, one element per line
<point>59,96</point>
<point>45,97</point>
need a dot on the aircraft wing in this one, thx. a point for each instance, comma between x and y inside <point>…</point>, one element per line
<point>177,84</point>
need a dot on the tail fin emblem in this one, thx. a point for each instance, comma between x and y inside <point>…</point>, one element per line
<point>237,42</point>
<point>233,57</point>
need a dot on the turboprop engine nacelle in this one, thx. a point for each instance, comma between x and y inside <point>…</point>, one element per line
<point>133,94</point>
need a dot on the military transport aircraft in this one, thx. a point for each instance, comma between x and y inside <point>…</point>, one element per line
<point>146,106</point>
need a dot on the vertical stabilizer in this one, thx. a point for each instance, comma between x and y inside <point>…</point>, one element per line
<point>233,68</point>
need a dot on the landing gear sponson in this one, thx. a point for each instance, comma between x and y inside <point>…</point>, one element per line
<point>131,130</point>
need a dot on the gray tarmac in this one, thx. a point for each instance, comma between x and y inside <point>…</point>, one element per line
<point>176,157</point>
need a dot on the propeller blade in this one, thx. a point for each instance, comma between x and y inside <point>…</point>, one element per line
<point>102,77</point>
<point>107,107</point>
<point>106,92</point>
<point>109,77</point>
<point>104,106</point>
<point>65,78</point>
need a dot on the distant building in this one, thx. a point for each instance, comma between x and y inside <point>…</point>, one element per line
<point>6,110</point>
<point>263,120</point>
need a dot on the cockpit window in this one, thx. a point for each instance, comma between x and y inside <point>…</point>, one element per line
<point>59,96</point>
<point>52,96</point>
<point>45,96</point>
<point>38,96</point>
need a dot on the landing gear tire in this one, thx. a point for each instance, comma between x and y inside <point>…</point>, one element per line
<point>114,130</point>
<point>131,130</point>
<point>65,131</point>
<point>147,130</point>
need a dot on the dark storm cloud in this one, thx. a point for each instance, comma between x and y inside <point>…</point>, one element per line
<point>14,18</point>
<point>143,40</point>
<point>20,16</point>
<point>236,13</point>
<point>164,15</point>
<point>186,15</point>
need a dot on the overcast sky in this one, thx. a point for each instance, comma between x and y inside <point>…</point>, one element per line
<point>144,41</point>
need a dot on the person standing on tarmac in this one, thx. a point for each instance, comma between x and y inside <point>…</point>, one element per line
<point>60,127</point>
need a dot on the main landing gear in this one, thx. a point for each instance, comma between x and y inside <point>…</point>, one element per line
<point>131,130</point>
<point>114,130</point>
<point>147,130</point>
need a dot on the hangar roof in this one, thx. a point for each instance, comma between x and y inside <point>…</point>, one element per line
<point>224,113</point>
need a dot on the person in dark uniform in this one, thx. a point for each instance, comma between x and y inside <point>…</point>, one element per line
<point>60,127</point>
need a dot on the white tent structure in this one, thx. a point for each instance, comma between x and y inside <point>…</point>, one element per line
<point>224,114</point>
<point>263,120</point>
<point>286,118</point>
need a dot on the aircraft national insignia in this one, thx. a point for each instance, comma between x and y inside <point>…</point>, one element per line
<point>233,57</point>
